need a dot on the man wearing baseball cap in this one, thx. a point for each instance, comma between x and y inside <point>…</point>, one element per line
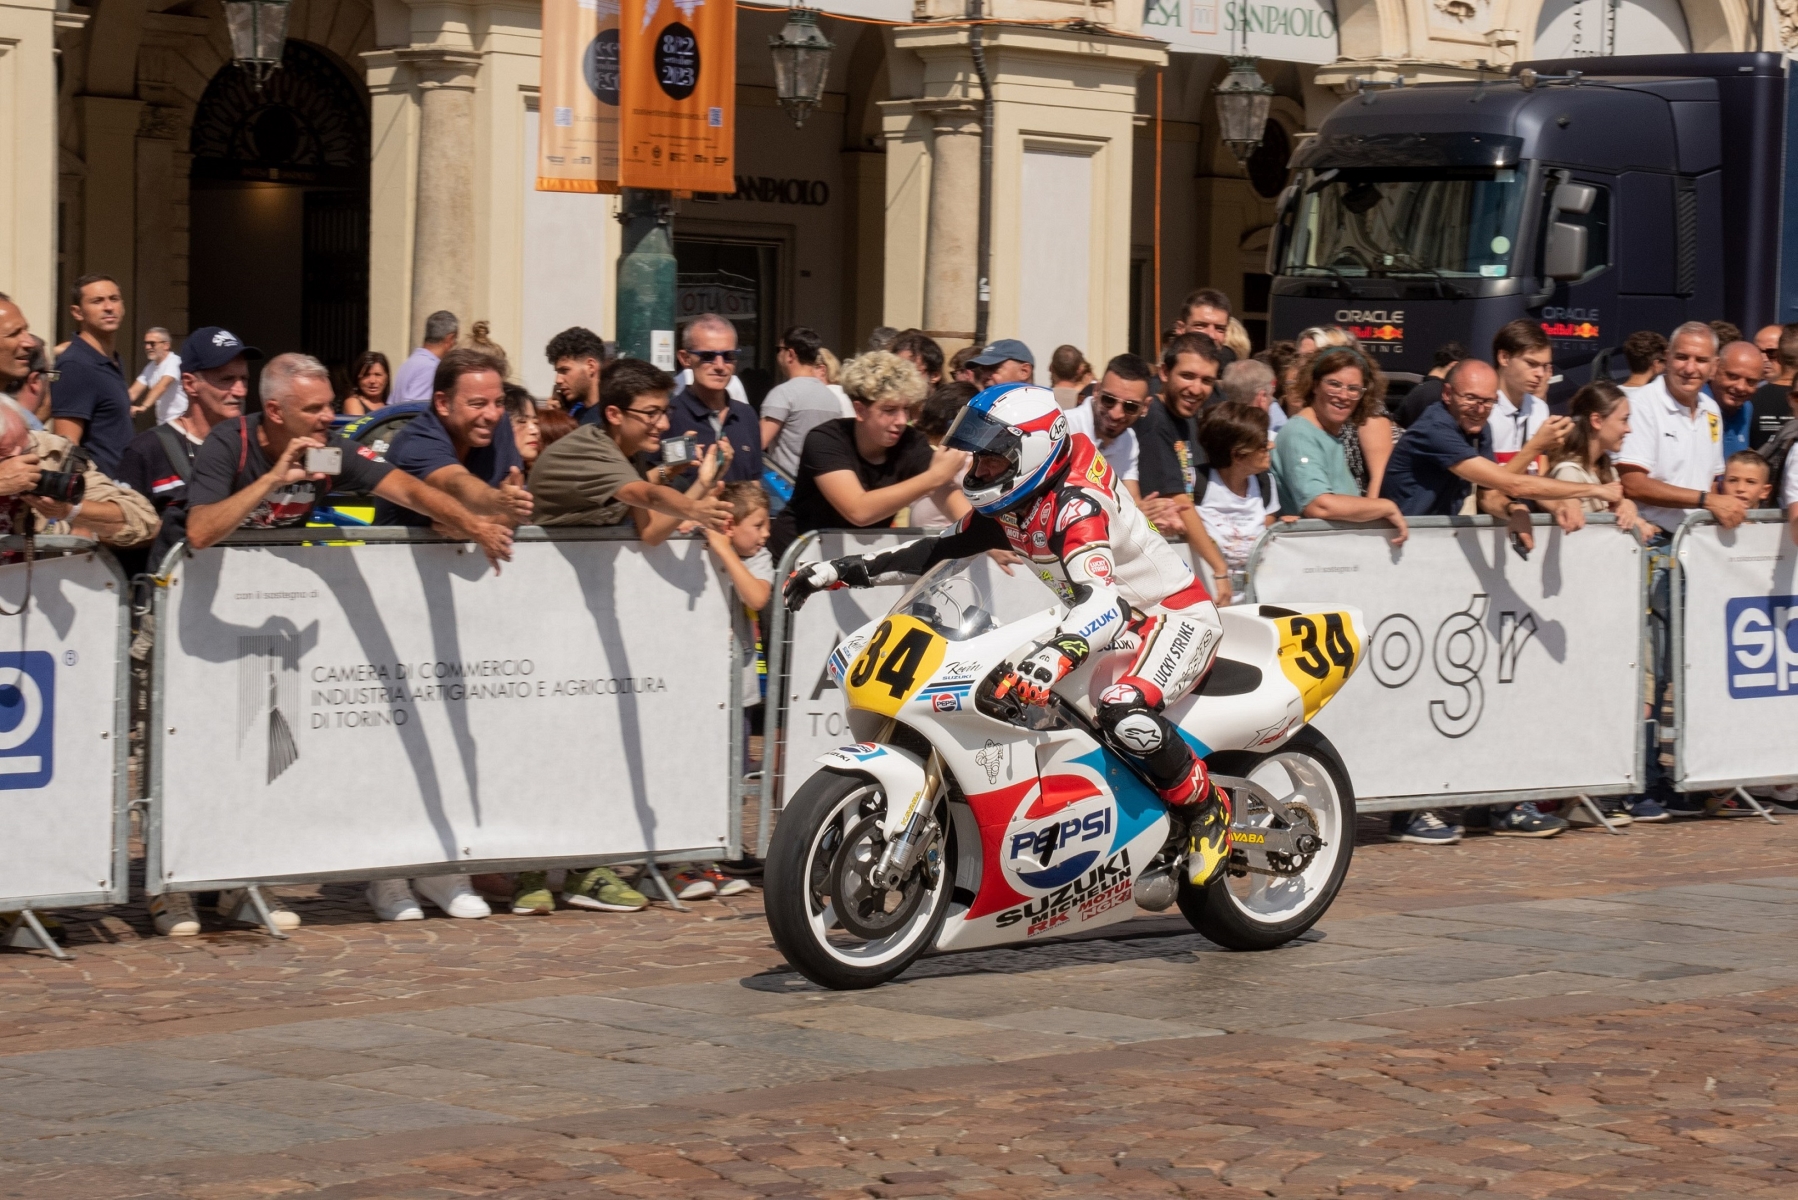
<point>1005,361</point>
<point>215,376</point>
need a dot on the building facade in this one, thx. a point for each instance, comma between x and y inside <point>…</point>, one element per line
<point>386,170</point>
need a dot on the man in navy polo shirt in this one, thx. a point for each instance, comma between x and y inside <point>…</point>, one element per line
<point>91,403</point>
<point>1448,449</point>
<point>463,445</point>
<point>704,407</point>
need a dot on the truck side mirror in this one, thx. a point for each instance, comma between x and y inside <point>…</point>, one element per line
<point>1281,230</point>
<point>1575,198</point>
<point>1564,257</point>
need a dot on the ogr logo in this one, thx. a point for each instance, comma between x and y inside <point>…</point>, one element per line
<point>27,719</point>
<point>1763,661</point>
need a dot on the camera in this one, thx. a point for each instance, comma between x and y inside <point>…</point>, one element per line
<point>677,450</point>
<point>64,487</point>
<point>324,460</point>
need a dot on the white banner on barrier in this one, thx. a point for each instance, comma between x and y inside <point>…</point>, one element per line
<point>1478,662</point>
<point>1738,695</point>
<point>62,733</point>
<point>343,709</point>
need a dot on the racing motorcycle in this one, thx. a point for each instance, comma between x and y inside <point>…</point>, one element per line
<point>963,819</point>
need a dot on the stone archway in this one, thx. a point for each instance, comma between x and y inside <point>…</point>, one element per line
<point>279,199</point>
<point>1582,28</point>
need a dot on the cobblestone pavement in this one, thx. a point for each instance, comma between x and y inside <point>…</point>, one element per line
<point>1584,1017</point>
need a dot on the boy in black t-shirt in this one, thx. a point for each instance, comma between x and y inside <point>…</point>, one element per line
<point>251,471</point>
<point>1171,468</point>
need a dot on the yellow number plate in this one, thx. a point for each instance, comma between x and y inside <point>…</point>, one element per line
<point>1318,652</point>
<point>899,659</point>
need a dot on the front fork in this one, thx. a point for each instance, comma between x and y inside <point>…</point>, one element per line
<point>916,833</point>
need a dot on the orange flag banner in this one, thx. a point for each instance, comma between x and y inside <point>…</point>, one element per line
<point>678,113</point>
<point>577,126</point>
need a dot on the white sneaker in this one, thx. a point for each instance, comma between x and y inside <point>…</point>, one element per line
<point>392,900</point>
<point>235,905</point>
<point>453,894</point>
<point>174,914</point>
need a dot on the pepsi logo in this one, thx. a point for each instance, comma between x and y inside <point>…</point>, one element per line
<point>1053,848</point>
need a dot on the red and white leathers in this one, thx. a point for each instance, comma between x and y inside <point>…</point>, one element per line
<point>1124,588</point>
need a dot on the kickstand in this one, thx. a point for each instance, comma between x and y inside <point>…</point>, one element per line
<point>1757,806</point>
<point>649,870</point>
<point>1598,814</point>
<point>253,896</point>
<point>26,931</point>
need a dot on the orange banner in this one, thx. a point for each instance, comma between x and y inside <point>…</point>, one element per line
<point>577,122</point>
<point>678,119</point>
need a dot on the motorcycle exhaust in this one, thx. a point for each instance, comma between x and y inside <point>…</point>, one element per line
<point>1157,887</point>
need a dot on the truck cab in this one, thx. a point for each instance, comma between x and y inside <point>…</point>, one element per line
<point>1598,196</point>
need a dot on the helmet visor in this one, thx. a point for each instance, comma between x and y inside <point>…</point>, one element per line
<point>980,433</point>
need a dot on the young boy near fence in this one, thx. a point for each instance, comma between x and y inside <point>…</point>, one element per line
<point>1747,477</point>
<point>741,549</point>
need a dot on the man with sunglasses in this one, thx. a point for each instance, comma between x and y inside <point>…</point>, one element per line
<point>1107,414</point>
<point>704,409</point>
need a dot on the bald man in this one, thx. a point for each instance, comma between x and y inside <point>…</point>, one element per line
<point>1448,450</point>
<point>1766,340</point>
<point>1734,380</point>
<point>15,344</point>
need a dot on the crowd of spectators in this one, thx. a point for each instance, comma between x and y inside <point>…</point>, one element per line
<point>1213,442</point>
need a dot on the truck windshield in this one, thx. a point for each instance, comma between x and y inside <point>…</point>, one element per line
<point>1437,221</point>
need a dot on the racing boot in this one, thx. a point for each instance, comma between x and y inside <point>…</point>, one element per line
<point>1207,823</point>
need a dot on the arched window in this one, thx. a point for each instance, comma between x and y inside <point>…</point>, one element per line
<point>308,124</point>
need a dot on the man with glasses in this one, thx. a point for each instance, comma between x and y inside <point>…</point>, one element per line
<point>158,385</point>
<point>704,409</point>
<point>1773,405</point>
<point>1109,412</point>
<point>1766,340</point>
<point>591,476</point>
<point>33,391</point>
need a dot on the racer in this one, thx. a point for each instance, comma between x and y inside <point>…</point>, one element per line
<point>1051,497</point>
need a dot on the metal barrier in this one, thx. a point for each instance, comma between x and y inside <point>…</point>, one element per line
<point>63,734</point>
<point>387,707</point>
<point>1474,653</point>
<point>1734,653</point>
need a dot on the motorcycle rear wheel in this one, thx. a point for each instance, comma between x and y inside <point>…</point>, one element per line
<point>808,862</point>
<point>1260,912</point>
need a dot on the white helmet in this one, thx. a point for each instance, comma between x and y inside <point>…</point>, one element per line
<point>1021,423</point>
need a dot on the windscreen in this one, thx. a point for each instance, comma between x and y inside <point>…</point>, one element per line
<point>1396,221</point>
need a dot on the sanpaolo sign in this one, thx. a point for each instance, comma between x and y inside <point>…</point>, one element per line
<point>1290,31</point>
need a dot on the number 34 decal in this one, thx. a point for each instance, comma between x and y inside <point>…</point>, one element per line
<point>1317,653</point>
<point>903,653</point>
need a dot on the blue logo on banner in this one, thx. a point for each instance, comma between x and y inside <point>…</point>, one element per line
<point>27,719</point>
<point>1763,656</point>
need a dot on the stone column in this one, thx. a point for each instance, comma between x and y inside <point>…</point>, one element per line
<point>443,241</point>
<point>951,269</point>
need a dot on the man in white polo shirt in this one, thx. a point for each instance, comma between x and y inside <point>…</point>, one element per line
<point>1525,360</point>
<point>1668,464</point>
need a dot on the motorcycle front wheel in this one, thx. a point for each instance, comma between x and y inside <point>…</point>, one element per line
<point>833,926</point>
<point>1252,911</point>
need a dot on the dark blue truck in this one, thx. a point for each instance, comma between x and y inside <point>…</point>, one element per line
<point>1597,195</point>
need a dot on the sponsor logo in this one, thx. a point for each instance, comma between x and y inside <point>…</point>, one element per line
<point>1039,539</point>
<point>1581,331</point>
<point>1176,652</point>
<point>1253,839</point>
<point>837,665</point>
<point>1762,654</point>
<point>1105,901</point>
<point>1095,473</point>
<point>1076,509</point>
<point>225,337</point>
<point>1371,316</point>
<point>1119,693</point>
<point>1716,426</point>
<point>958,670</point>
<point>946,696</point>
<point>1059,429</point>
<point>1060,906</point>
<point>27,719</point>
<point>1097,623</point>
<point>1098,566</point>
<point>366,452</point>
<point>1050,851</point>
<point>1569,314</point>
<point>991,758</point>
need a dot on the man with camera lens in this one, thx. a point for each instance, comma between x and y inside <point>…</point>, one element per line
<point>463,445</point>
<point>271,469</point>
<point>46,485</point>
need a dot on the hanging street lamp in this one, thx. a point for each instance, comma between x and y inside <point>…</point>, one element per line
<point>258,35</point>
<point>1243,100</point>
<point>801,56</point>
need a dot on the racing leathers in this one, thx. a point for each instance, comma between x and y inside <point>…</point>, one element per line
<point>1124,588</point>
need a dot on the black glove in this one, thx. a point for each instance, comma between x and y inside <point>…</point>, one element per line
<point>812,577</point>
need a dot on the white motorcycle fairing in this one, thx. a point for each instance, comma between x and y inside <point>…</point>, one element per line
<point>1051,829</point>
